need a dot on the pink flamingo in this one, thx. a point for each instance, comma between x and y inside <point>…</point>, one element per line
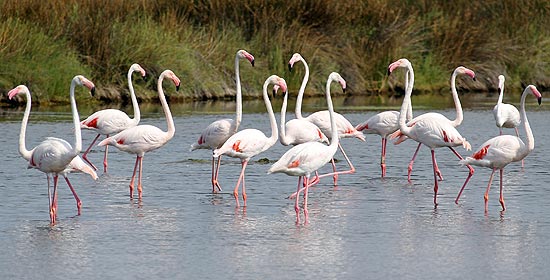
<point>55,156</point>
<point>433,132</point>
<point>506,115</point>
<point>215,134</point>
<point>455,123</point>
<point>322,120</point>
<point>304,159</point>
<point>145,138</point>
<point>501,150</point>
<point>111,121</point>
<point>250,142</point>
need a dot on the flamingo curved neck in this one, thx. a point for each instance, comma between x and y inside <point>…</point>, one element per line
<point>239,97</point>
<point>407,105</point>
<point>333,129</point>
<point>274,131</point>
<point>298,109</point>
<point>137,114</point>
<point>282,132</point>
<point>169,120</point>
<point>26,154</point>
<point>530,141</point>
<point>76,120</point>
<point>459,116</point>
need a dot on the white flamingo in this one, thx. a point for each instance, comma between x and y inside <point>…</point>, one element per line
<point>501,150</point>
<point>322,120</point>
<point>145,138</point>
<point>55,156</point>
<point>110,121</point>
<point>434,132</point>
<point>506,115</point>
<point>455,123</point>
<point>215,134</point>
<point>250,142</point>
<point>304,159</point>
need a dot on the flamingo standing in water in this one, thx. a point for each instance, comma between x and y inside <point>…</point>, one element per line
<point>322,120</point>
<point>455,123</point>
<point>215,134</point>
<point>144,138</point>
<point>501,150</point>
<point>55,156</point>
<point>306,158</point>
<point>111,121</point>
<point>434,132</point>
<point>250,142</point>
<point>506,115</point>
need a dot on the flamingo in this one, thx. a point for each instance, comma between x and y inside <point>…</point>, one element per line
<point>303,159</point>
<point>250,142</point>
<point>431,131</point>
<point>455,123</point>
<point>55,156</point>
<point>506,115</point>
<point>501,150</point>
<point>215,134</point>
<point>111,121</point>
<point>322,120</point>
<point>145,138</point>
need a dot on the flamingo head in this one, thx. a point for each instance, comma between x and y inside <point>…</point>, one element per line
<point>137,68</point>
<point>245,54</point>
<point>466,71</point>
<point>169,74</point>
<point>403,62</point>
<point>17,90</point>
<point>295,57</point>
<point>535,92</point>
<point>83,81</point>
<point>336,77</point>
<point>501,80</point>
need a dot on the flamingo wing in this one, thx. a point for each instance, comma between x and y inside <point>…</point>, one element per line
<point>214,135</point>
<point>301,131</point>
<point>244,144</point>
<point>138,139</point>
<point>109,121</point>
<point>322,120</point>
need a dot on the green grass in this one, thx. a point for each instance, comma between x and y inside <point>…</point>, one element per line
<point>44,43</point>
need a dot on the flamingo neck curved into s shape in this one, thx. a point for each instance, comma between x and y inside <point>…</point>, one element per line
<point>299,99</point>
<point>76,120</point>
<point>26,154</point>
<point>282,132</point>
<point>459,115</point>
<point>530,141</point>
<point>333,129</point>
<point>274,131</point>
<point>239,97</point>
<point>169,120</point>
<point>406,105</point>
<point>137,113</point>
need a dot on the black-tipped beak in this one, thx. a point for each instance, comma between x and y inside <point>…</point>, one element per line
<point>389,72</point>
<point>289,67</point>
<point>252,62</point>
<point>474,78</point>
<point>92,91</point>
<point>144,78</point>
<point>178,88</point>
<point>274,92</point>
<point>344,90</point>
<point>539,100</point>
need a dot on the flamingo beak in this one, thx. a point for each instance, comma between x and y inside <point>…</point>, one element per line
<point>178,88</point>
<point>92,91</point>
<point>290,67</point>
<point>252,62</point>
<point>539,100</point>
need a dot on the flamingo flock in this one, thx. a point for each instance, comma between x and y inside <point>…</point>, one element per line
<point>314,139</point>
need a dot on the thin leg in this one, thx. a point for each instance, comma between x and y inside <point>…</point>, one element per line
<point>244,191</point>
<point>486,196</point>
<point>383,157</point>
<point>244,163</point>
<point>213,175</point>
<point>140,188</point>
<point>54,200</point>
<point>296,205</point>
<point>306,191</point>
<point>501,199</point>
<point>105,157</point>
<point>411,163</point>
<point>470,174</point>
<point>436,187</point>
<point>85,154</point>
<point>215,172</point>
<point>78,202</point>
<point>50,201</point>
<point>335,173</point>
<point>133,177</point>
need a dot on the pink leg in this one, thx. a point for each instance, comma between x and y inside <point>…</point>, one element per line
<point>314,181</point>
<point>410,167</point>
<point>436,187</point>
<point>215,172</point>
<point>383,157</point>
<point>244,163</point>
<point>133,177</point>
<point>78,202</point>
<point>296,205</point>
<point>486,196</point>
<point>470,174</point>
<point>140,188</point>
<point>105,157</point>
<point>501,199</point>
<point>53,213</point>
<point>50,201</point>
<point>306,191</point>
<point>336,173</point>
<point>85,154</point>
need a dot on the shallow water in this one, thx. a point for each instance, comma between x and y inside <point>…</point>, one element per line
<point>366,228</point>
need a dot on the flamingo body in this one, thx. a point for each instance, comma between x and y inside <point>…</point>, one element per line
<point>214,135</point>
<point>383,124</point>
<point>345,129</point>
<point>300,131</point>
<point>506,115</point>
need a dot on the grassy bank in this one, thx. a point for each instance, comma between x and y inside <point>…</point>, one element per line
<point>44,43</point>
